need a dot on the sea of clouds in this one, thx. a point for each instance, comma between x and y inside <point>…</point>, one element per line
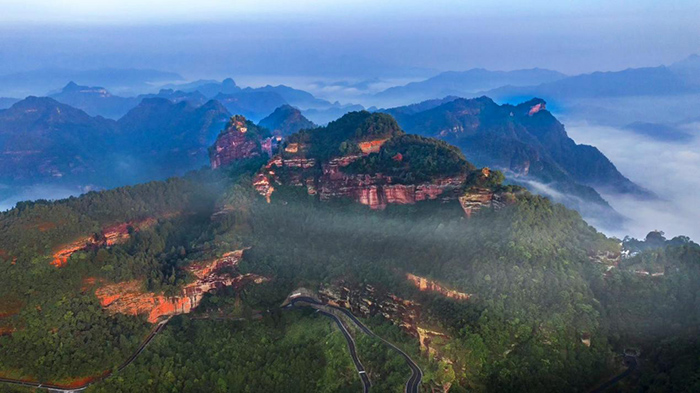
<point>671,170</point>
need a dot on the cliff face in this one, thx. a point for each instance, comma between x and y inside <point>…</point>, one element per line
<point>427,285</point>
<point>235,143</point>
<point>375,190</point>
<point>477,198</point>
<point>129,297</point>
<point>111,235</point>
<point>368,159</point>
<point>368,301</point>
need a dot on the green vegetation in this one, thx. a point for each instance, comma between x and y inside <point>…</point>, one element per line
<point>297,352</point>
<point>412,158</point>
<point>527,264</point>
<point>535,291</point>
<point>340,137</point>
<point>60,329</point>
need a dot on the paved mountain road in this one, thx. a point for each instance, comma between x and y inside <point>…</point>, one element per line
<point>65,389</point>
<point>413,383</point>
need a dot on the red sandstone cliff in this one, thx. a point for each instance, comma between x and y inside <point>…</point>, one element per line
<point>129,297</point>
<point>235,143</point>
<point>111,235</point>
<point>424,284</point>
<point>374,190</point>
<point>367,301</point>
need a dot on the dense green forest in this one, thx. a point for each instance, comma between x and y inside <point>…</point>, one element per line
<point>340,137</point>
<point>412,158</point>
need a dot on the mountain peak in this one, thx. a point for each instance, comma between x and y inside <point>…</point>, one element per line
<point>228,83</point>
<point>42,105</point>
<point>71,86</point>
<point>286,120</point>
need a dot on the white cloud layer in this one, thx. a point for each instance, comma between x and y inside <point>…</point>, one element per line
<point>670,170</point>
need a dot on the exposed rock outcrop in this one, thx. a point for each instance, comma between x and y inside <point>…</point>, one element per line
<point>235,143</point>
<point>374,190</point>
<point>427,285</point>
<point>130,298</point>
<point>111,235</point>
<point>372,146</point>
<point>608,258</point>
<point>367,301</point>
<point>477,198</point>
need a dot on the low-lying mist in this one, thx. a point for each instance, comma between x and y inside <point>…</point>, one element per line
<point>668,169</point>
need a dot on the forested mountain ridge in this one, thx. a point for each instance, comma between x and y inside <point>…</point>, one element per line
<point>528,143</point>
<point>285,121</point>
<point>465,83</point>
<point>42,138</point>
<point>522,296</point>
<point>44,141</point>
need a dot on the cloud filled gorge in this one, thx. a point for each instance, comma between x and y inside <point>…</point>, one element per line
<point>671,170</point>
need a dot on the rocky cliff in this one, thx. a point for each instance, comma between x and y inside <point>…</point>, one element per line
<point>110,235</point>
<point>130,298</point>
<point>426,285</point>
<point>241,139</point>
<point>367,301</point>
<point>368,159</point>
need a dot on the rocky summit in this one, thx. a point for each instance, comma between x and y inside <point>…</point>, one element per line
<point>365,158</point>
<point>241,139</point>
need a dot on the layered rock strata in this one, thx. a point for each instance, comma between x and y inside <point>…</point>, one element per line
<point>130,298</point>
<point>111,235</point>
<point>426,285</point>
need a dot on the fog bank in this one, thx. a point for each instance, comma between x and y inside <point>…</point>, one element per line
<point>671,170</point>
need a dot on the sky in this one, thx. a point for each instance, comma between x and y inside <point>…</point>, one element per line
<point>352,39</point>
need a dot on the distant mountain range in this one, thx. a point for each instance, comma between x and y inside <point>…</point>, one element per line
<point>121,80</point>
<point>619,98</point>
<point>682,77</point>
<point>464,83</point>
<point>253,103</point>
<point>163,134</point>
<point>650,81</point>
<point>43,140</point>
<point>47,141</point>
<point>528,143</point>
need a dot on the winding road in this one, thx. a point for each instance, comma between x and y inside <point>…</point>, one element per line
<point>65,389</point>
<point>353,351</point>
<point>413,382</point>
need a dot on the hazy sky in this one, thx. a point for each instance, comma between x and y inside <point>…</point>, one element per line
<point>358,38</point>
